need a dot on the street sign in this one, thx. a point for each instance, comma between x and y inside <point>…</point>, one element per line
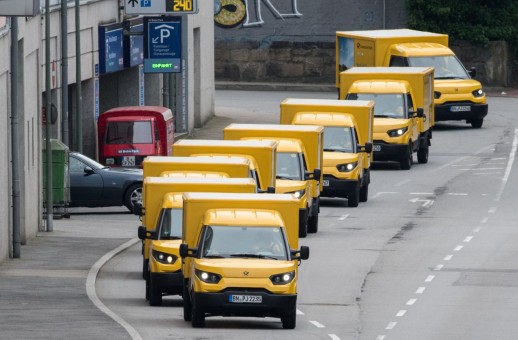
<point>163,45</point>
<point>161,6</point>
<point>24,8</point>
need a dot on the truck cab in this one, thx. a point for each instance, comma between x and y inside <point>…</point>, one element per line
<point>403,110</point>
<point>240,256</point>
<point>348,127</point>
<point>299,159</point>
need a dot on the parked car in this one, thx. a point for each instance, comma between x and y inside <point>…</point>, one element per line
<point>95,185</point>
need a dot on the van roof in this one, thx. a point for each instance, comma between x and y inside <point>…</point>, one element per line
<point>285,144</point>
<point>422,49</point>
<point>219,142</point>
<point>403,33</point>
<point>382,71</point>
<point>324,118</point>
<point>274,127</point>
<point>197,160</point>
<point>196,180</point>
<point>327,102</point>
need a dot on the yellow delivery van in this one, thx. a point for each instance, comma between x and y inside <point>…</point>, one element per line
<point>262,154</point>
<point>299,162</point>
<point>403,109</point>
<point>241,256</point>
<point>348,129</point>
<point>154,203</point>
<point>457,96</point>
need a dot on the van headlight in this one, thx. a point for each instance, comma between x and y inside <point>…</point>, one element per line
<point>478,93</point>
<point>397,132</point>
<point>164,257</point>
<point>298,193</point>
<point>282,279</point>
<point>346,167</point>
<point>207,277</point>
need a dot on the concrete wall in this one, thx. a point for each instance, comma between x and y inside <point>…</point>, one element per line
<point>5,135</point>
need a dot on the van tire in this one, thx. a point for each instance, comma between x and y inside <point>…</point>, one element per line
<point>289,320</point>
<point>145,269</point>
<point>155,295</point>
<point>187,307</point>
<point>147,289</point>
<point>477,123</point>
<point>303,228</point>
<point>197,316</point>
<point>313,224</point>
<point>354,197</point>
<point>407,160</point>
<point>422,154</point>
<point>364,193</point>
<point>132,195</point>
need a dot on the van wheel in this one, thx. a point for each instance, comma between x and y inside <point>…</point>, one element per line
<point>133,195</point>
<point>197,316</point>
<point>289,320</point>
<point>406,161</point>
<point>155,295</point>
<point>313,224</point>
<point>187,307</point>
<point>303,228</point>
<point>422,154</point>
<point>145,269</point>
<point>477,123</point>
<point>364,193</point>
<point>354,198</point>
<point>147,289</point>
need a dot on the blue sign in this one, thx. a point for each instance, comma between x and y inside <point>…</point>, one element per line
<point>162,39</point>
<point>111,58</point>
<point>134,46</point>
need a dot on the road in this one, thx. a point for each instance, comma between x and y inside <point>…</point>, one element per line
<point>431,255</point>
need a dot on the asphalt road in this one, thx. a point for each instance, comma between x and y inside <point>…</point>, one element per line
<point>431,255</point>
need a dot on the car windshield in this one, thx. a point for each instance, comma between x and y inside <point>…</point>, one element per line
<point>387,105</point>
<point>338,138</point>
<point>170,224</point>
<point>288,166</point>
<point>446,67</point>
<point>78,162</point>
<point>129,132</point>
<point>243,242</point>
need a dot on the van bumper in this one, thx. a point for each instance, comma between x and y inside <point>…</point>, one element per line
<point>338,187</point>
<point>272,305</point>
<point>444,112</point>
<point>170,283</point>
<point>389,152</point>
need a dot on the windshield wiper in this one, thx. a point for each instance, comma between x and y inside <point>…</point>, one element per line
<point>214,257</point>
<point>334,150</point>
<point>383,116</point>
<point>257,256</point>
<point>283,177</point>
<point>170,238</point>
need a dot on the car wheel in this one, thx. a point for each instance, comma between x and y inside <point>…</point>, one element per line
<point>133,195</point>
<point>364,193</point>
<point>289,320</point>
<point>477,123</point>
<point>155,295</point>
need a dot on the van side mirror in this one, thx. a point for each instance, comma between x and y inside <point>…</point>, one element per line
<point>184,251</point>
<point>472,72</point>
<point>367,148</point>
<point>312,175</point>
<point>303,253</point>
<point>270,190</point>
<point>317,173</point>
<point>143,233</point>
<point>419,113</point>
<point>137,209</point>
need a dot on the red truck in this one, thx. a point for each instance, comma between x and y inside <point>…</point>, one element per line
<point>127,135</point>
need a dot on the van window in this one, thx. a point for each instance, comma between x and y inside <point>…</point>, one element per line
<point>129,133</point>
<point>170,224</point>
<point>446,67</point>
<point>338,138</point>
<point>398,61</point>
<point>387,105</point>
<point>289,166</point>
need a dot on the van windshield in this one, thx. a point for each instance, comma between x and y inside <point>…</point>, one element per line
<point>338,138</point>
<point>170,224</point>
<point>387,105</point>
<point>243,242</point>
<point>129,132</point>
<point>289,166</point>
<point>446,67</point>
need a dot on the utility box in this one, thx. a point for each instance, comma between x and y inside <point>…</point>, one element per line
<point>60,178</point>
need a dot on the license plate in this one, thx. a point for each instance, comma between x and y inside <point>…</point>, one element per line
<point>128,161</point>
<point>245,298</point>
<point>325,182</point>
<point>460,108</point>
<point>376,147</point>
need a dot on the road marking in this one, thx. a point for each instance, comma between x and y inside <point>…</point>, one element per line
<point>420,290</point>
<point>486,173</point>
<point>380,337</point>
<point>477,229</point>
<point>402,182</point>
<point>458,248</point>
<point>481,169</point>
<point>343,217</point>
<point>426,203</point>
<point>429,278</point>
<point>411,302</point>
<point>384,193</point>
<point>448,257</point>
<point>484,220</point>
<point>334,336</point>
<point>391,325</point>
<point>468,239</point>
<point>460,159</point>
<point>401,313</point>
<point>457,194</point>
<point>509,166</point>
<point>438,267</point>
<point>421,193</point>
<point>317,324</point>
<point>92,294</point>
<point>299,312</point>
<point>492,210</point>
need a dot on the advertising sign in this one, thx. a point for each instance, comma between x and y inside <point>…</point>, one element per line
<point>111,56</point>
<point>134,46</point>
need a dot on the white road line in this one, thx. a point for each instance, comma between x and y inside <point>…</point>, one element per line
<point>343,217</point>
<point>492,210</point>
<point>421,193</point>
<point>317,324</point>
<point>420,290</point>
<point>391,325</point>
<point>481,169</point>
<point>460,159</point>
<point>486,173</point>
<point>402,182</point>
<point>458,248</point>
<point>476,230</point>
<point>468,239</point>
<point>438,267</point>
<point>401,313</point>
<point>429,278</point>
<point>380,337</point>
<point>484,220</point>
<point>509,166</point>
<point>299,312</point>
<point>457,194</point>
<point>92,294</point>
<point>411,302</point>
<point>384,193</point>
<point>334,336</point>
<point>448,257</point>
